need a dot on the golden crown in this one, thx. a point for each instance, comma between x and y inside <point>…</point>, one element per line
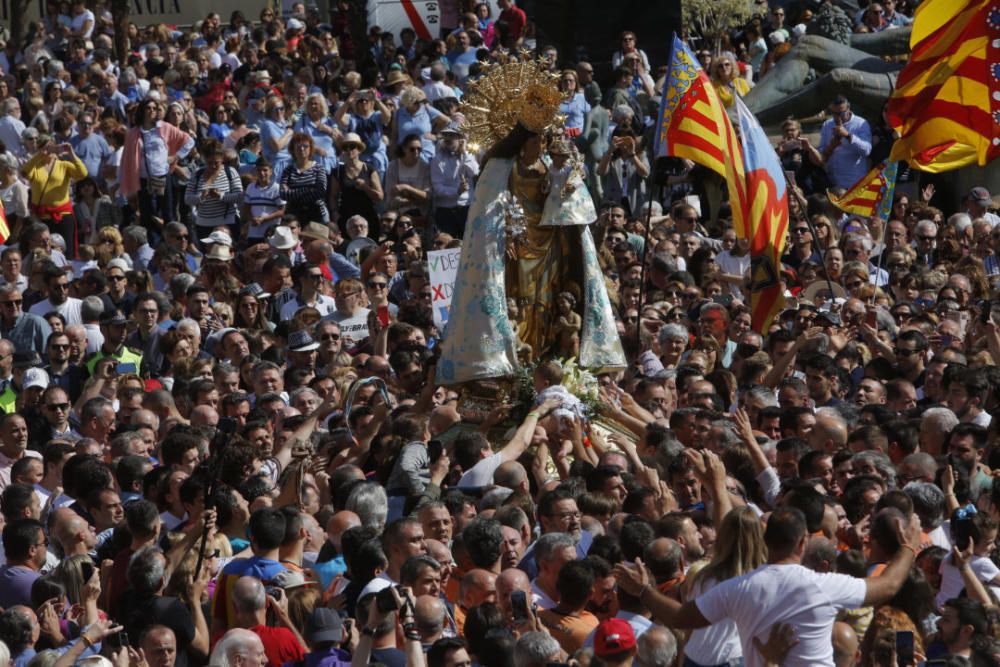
<point>516,89</point>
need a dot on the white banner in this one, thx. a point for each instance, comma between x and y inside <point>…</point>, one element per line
<point>424,16</point>
<point>443,269</point>
<point>171,12</point>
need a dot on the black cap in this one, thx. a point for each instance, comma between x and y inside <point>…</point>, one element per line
<point>113,317</point>
<point>26,359</point>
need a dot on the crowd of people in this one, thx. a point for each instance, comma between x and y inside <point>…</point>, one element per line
<point>223,441</point>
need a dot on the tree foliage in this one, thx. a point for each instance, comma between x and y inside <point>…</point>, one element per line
<point>713,19</point>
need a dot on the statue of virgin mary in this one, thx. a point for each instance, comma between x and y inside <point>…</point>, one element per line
<point>527,238</point>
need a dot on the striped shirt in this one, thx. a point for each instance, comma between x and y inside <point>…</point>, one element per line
<point>215,212</point>
<point>305,190</point>
<point>262,201</point>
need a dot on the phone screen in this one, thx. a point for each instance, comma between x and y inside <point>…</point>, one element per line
<point>904,648</point>
<point>383,315</point>
<point>519,607</point>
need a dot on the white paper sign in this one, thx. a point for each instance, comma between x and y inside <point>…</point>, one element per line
<point>443,269</point>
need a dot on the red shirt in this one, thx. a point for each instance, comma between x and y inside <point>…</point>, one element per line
<point>515,19</point>
<point>280,645</point>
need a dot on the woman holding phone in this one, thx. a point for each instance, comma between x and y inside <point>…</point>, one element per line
<point>49,173</point>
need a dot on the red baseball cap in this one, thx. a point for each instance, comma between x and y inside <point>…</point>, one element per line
<point>613,636</point>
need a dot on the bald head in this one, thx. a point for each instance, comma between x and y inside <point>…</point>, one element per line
<point>508,581</point>
<point>67,527</point>
<point>248,595</point>
<point>338,524</point>
<point>429,614</point>
<point>511,475</point>
<point>438,551</point>
<point>204,415</point>
<point>478,586</point>
<point>146,418</point>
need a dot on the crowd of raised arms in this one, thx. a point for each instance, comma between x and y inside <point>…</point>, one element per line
<point>223,437</point>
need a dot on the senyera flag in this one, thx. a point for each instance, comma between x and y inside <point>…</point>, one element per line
<point>4,228</point>
<point>767,219</point>
<point>946,106</point>
<point>694,125</point>
<point>872,195</point>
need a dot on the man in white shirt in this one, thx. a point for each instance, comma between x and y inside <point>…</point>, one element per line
<point>57,285</point>
<point>480,462</point>
<point>966,394</point>
<point>401,539</point>
<point>83,21</point>
<point>436,88</point>
<point>780,591</point>
<point>978,204</point>
<point>552,551</point>
<point>11,126</point>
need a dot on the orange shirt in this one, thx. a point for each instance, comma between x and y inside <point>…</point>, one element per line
<point>571,631</point>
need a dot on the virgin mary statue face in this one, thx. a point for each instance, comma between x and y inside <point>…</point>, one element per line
<point>533,147</point>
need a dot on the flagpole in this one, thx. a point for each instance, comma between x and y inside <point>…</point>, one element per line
<point>645,255</point>
<point>803,215</point>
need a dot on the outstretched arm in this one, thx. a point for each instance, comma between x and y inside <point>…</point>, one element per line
<point>637,581</point>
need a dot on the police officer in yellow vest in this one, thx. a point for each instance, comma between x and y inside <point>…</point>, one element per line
<point>21,361</point>
<point>113,326</point>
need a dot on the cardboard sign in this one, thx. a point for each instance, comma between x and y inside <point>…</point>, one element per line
<point>443,269</point>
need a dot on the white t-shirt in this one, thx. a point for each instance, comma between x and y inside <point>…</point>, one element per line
<point>951,577</point>
<point>735,266</point>
<point>718,643</point>
<point>69,309</point>
<point>806,600</point>
<point>80,20</point>
<point>481,474</point>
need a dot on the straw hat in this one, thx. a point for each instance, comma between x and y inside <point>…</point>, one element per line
<point>351,138</point>
<point>396,76</point>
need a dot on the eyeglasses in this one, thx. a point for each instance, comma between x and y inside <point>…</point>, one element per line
<point>61,286</point>
<point>378,285</point>
<point>567,515</point>
<point>57,346</point>
<point>854,284</point>
<point>314,276</point>
<point>800,230</point>
<point>926,239</point>
<point>182,237</point>
<point>117,278</point>
<point>13,302</point>
<point>904,352</point>
<point>330,337</point>
<point>57,406</point>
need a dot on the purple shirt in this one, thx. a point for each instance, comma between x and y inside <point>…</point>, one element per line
<point>15,585</point>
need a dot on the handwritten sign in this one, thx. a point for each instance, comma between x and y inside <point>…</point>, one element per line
<point>443,269</point>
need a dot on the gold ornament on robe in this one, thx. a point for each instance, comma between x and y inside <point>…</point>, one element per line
<point>515,90</point>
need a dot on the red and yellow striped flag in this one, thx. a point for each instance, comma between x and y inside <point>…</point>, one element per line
<point>4,227</point>
<point>694,125</point>
<point>946,106</point>
<point>872,195</point>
